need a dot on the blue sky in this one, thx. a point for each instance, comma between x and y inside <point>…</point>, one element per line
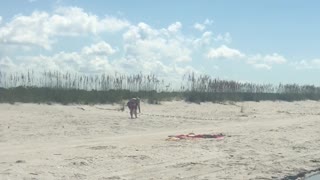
<point>257,41</point>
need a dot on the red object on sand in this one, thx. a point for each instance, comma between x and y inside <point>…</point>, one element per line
<point>193,136</point>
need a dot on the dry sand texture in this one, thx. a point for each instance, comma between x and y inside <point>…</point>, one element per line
<point>265,140</point>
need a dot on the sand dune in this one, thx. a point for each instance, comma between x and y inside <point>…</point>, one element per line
<point>264,140</point>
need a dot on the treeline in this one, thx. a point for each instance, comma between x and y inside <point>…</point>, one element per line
<point>68,88</point>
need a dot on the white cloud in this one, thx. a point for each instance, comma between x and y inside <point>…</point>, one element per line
<point>95,59</point>
<point>158,49</point>
<point>27,30</point>
<point>170,72</point>
<point>101,48</point>
<point>0,19</point>
<point>207,39</point>
<point>208,22</point>
<point>146,32</point>
<point>6,63</point>
<point>224,52</point>
<point>204,41</point>
<point>275,59</point>
<point>132,34</point>
<point>202,26</point>
<point>147,50</point>
<point>113,24</point>
<point>267,59</point>
<point>199,26</point>
<point>262,66</point>
<point>91,59</point>
<point>304,64</point>
<point>257,61</point>
<point>73,62</point>
<point>40,28</point>
<point>74,21</point>
<point>224,37</point>
<point>149,44</point>
<point>175,27</point>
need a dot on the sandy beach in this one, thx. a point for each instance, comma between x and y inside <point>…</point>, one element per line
<point>263,140</point>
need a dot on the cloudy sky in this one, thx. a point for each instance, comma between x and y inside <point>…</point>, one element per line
<point>268,41</point>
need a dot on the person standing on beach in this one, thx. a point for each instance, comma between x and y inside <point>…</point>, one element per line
<point>133,104</point>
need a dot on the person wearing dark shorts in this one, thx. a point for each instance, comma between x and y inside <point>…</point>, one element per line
<point>134,104</point>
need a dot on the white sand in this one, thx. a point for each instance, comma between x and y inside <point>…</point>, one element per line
<point>268,140</point>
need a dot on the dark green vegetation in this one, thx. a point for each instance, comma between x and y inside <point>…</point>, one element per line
<point>90,89</point>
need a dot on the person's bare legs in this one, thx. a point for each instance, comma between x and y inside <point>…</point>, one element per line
<point>135,112</point>
<point>130,108</point>
<point>131,113</point>
<point>133,109</point>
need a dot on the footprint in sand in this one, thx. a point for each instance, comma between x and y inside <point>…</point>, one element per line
<point>111,178</point>
<point>139,157</point>
<point>20,161</point>
<point>81,163</point>
<point>80,176</point>
<point>102,147</point>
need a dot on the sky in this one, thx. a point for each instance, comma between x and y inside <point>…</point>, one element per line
<point>269,41</point>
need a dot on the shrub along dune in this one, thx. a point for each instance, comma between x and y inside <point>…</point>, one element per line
<point>68,88</point>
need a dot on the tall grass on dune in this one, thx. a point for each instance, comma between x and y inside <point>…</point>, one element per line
<point>204,88</point>
<point>67,80</point>
<point>55,86</point>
